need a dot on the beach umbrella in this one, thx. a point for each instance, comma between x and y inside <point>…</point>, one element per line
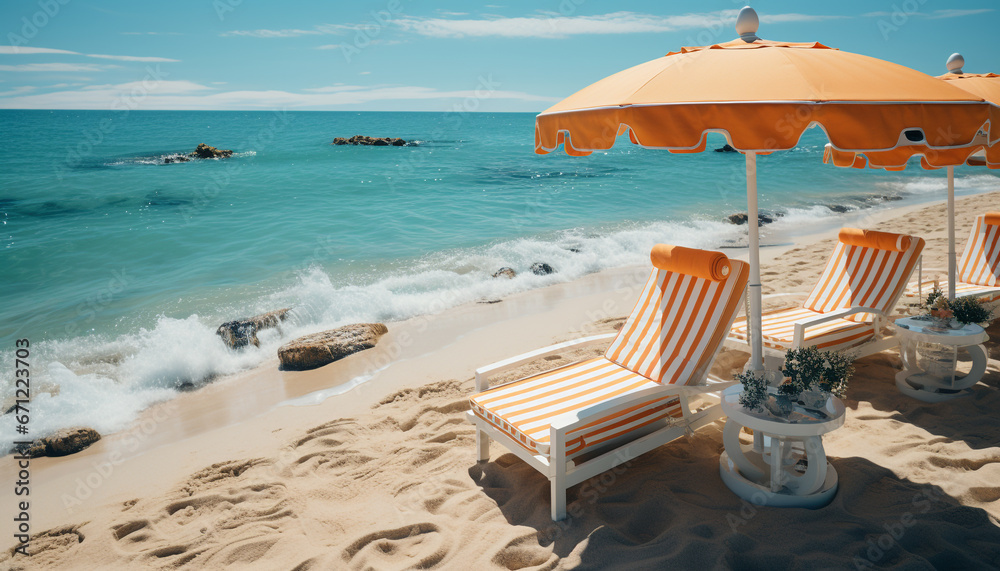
<point>762,95</point>
<point>984,85</point>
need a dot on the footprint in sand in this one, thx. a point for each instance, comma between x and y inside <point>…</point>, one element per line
<point>417,546</point>
<point>221,515</point>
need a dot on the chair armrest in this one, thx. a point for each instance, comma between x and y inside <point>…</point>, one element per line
<point>483,374</point>
<point>802,324</point>
<point>566,421</point>
<point>784,294</point>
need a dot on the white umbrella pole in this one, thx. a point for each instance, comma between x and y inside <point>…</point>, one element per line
<point>952,262</point>
<point>754,319</point>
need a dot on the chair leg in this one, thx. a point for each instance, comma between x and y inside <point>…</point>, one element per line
<point>483,445</point>
<point>557,476</point>
<point>558,499</point>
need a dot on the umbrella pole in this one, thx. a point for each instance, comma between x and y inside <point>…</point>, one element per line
<point>754,319</point>
<point>952,264</point>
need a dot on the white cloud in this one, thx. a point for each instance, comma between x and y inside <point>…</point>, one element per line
<point>557,26</point>
<point>18,91</point>
<point>135,58</point>
<point>953,13</point>
<point>173,95</point>
<point>365,73</point>
<point>272,33</point>
<point>25,50</point>
<point>18,50</point>
<point>935,15</point>
<point>53,67</point>
<point>150,87</point>
<point>319,30</point>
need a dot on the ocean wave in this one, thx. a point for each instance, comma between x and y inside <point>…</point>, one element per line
<point>926,185</point>
<point>104,382</point>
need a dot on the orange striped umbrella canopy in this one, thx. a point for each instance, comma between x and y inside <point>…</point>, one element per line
<point>986,153</point>
<point>763,95</point>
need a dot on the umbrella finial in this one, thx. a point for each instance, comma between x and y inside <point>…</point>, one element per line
<point>955,63</point>
<point>747,23</point>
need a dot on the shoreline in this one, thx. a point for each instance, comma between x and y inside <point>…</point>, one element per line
<point>249,415</point>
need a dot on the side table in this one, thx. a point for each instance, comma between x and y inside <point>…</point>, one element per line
<point>786,466</point>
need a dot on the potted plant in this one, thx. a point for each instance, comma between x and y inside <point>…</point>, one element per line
<point>958,312</point>
<point>811,376</point>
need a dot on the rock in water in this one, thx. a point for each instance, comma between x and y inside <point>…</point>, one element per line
<point>370,141</point>
<point>319,349</point>
<point>205,152</point>
<point>741,218</point>
<point>508,273</point>
<point>541,269</point>
<point>242,332</point>
<point>64,442</point>
<point>727,148</point>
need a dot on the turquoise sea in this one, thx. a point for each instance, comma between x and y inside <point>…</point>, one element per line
<point>118,268</point>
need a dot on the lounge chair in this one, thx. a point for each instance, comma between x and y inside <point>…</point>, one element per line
<point>856,293</point>
<point>577,421</point>
<point>978,268</point>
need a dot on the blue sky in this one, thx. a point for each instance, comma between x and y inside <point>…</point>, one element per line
<point>408,55</point>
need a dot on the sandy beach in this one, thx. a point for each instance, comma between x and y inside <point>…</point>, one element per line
<point>296,470</point>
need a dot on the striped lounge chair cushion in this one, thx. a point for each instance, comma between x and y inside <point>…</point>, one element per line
<point>980,262</point>
<point>524,409</point>
<point>778,328</point>
<point>858,276</point>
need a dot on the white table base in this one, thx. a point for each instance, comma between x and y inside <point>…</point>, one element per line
<point>915,383</point>
<point>765,473</point>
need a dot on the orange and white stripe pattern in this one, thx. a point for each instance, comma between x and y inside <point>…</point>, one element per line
<point>864,276</point>
<point>980,262</point>
<point>525,409</point>
<point>677,324</point>
<point>671,336</point>
<point>778,328</point>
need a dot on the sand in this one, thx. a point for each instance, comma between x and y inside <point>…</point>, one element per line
<point>384,475</point>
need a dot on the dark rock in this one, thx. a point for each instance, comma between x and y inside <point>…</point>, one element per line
<point>242,332</point>
<point>490,301</point>
<point>63,443</point>
<point>889,198</point>
<point>370,141</point>
<point>508,273</point>
<point>176,159</point>
<point>318,349</point>
<point>727,148</point>
<point>575,250</point>
<point>741,218</point>
<point>205,152</point>
<point>838,208</point>
<point>541,269</point>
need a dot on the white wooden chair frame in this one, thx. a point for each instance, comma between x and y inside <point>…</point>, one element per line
<point>561,469</point>
<point>877,344</point>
